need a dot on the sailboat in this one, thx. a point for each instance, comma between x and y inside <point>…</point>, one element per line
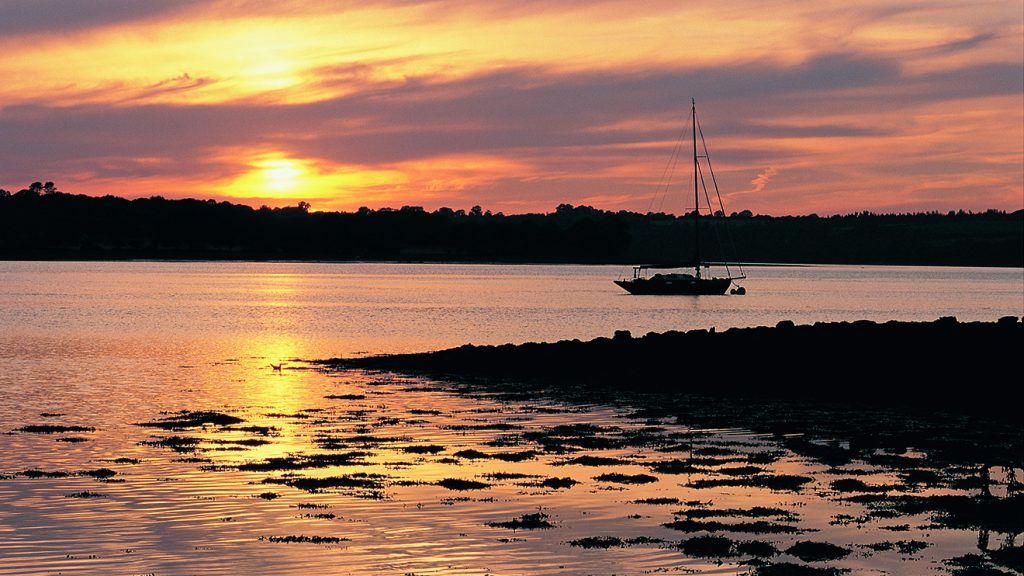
<point>681,283</point>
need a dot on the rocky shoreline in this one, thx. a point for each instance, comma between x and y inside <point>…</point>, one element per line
<point>963,366</point>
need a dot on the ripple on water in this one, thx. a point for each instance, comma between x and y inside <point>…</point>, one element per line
<point>474,483</point>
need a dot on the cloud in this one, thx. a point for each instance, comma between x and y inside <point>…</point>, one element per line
<point>562,136</point>
<point>59,17</point>
<point>758,184</point>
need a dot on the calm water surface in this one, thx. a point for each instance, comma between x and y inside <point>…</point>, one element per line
<point>111,345</point>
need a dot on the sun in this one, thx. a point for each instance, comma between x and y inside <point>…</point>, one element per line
<point>274,175</point>
<point>277,178</point>
<point>281,175</point>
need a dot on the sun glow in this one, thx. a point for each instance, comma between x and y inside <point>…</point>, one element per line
<point>277,179</point>
<point>282,175</point>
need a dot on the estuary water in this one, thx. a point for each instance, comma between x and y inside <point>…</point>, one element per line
<point>143,430</point>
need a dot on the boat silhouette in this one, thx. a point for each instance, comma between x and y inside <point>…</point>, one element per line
<point>682,283</point>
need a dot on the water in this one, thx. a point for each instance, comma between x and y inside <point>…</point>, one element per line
<point>110,345</point>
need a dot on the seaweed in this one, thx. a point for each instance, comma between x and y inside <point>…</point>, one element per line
<point>1004,515</point>
<point>243,442</point>
<point>626,478</point>
<point>305,461</point>
<point>535,521</point>
<point>597,542</point>
<point>788,482</point>
<point>176,443</point>
<point>557,483</point>
<point>593,461</point>
<point>358,480</point>
<point>974,565</point>
<point>459,484</point>
<point>1010,556</point>
<point>516,456</point>
<point>186,419</point>
<point>333,443</point>
<point>740,470</point>
<point>487,426</point>
<point>321,516</point>
<point>657,501</point>
<point>423,449</point>
<point>790,569</point>
<point>755,512</point>
<point>53,429</point>
<point>259,430</point>
<point>855,485</point>
<point>507,475</point>
<point>707,547</point>
<point>817,551</point>
<point>756,527</point>
<point>44,474</point>
<point>756,548</point>
<point>674,467</point>
<point>305,539</point>
<point>98,473</point>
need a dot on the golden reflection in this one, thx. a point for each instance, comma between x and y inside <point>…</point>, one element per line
<point>274,388</point>
<point>278,290</point>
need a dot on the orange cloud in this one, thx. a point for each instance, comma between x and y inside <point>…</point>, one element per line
<point>518,105</point>
<point>762,180</point>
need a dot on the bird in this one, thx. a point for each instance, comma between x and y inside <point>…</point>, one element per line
<point>277,367</point>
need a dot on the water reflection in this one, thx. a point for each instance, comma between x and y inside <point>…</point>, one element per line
<point>343,309</point>
<point>112,345</point>
<point>383,475</point>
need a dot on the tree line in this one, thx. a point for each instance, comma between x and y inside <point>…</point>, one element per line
<point>41,222</point>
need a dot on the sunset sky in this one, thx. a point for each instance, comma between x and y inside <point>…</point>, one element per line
<point>517,106</point>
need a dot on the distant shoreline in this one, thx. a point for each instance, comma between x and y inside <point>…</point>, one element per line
<point>58,226</point>
<point>896,364</point>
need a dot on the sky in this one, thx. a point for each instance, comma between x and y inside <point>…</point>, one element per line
<point>518,105</point>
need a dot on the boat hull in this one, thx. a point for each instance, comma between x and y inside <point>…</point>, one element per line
<point>686,287</point>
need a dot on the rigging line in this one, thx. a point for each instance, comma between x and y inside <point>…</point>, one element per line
<point>672,168</point>
<point>661,192</point>
<point>716,225</point>
<point>689,182</point>
<point>714,181</point>
<point>721,205</point>
<point>664,196</point>
<point>669,170</point>
<point>665,182</point>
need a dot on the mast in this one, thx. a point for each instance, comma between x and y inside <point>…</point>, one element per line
<point>696,197</point>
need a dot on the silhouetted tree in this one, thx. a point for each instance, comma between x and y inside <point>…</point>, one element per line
<point>79,226</point>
